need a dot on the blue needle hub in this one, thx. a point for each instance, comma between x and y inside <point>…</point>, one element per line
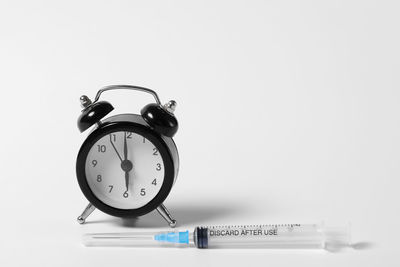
<point>173,237</point>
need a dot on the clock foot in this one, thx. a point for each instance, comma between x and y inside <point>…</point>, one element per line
<point>166,215</point>
<point>88,210</point>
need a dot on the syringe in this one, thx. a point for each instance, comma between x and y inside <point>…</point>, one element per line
<point>301,236</point>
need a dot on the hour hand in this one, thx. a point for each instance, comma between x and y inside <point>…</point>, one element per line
<point>116,151</point>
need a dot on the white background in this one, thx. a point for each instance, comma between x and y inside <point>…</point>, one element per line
<point>288,111</point>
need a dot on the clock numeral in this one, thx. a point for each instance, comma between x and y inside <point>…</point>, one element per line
<point>94,163</point>
<point>142,192</point>
<point>101,148</point>
<point>99,178</point>
<point>144,140</point>
<point>128,135</point>
<point>154,182</point>
<point>158,167</point>
<point>155,151</point>
<point>111,188</point>
<point>114,136</point>
<point>126,195</point>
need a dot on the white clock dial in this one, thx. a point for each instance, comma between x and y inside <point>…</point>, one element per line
<point>124,182</point>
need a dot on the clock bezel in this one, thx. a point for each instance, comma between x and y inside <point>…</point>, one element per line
<point>148,133</point>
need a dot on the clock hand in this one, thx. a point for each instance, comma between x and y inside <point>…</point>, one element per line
<point>127,169</point>
<point>127,181</point>
<point>115,148</point>
<point>125,149</point>
<point>126,164</point>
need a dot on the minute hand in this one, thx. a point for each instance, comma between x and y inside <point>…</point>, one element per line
<point>125,149</point>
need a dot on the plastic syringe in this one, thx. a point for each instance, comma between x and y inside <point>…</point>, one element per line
<point>281,236</point>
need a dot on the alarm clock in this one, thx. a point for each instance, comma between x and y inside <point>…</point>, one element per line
<point>128,164</point>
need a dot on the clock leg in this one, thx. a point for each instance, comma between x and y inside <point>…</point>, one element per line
<point>166,215</point>
<point>88,210</point>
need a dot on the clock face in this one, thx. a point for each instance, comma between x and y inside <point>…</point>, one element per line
<point>124,170</point>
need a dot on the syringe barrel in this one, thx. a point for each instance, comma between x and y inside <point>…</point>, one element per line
<point>270,236</point>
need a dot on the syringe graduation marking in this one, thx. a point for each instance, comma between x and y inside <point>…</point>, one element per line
<point>253,226</point>
<point>248,230</point>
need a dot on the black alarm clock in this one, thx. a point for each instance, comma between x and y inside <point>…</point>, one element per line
<point>128,164</point>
